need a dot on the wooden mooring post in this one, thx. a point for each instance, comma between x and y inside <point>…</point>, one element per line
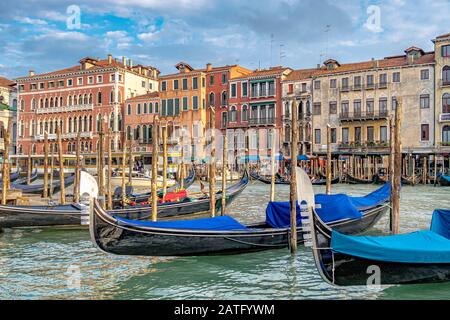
<point>391,166</point>
<point>164,143</point>
<point>5,173</point>
<point>212,164</point>
<point>224,175</point>
<point>29,168</point>
<point>293,189</point>
<point>76,184</point>
<point>52,169</point>
<point>45,192</point>
<point>397,170</point>
<point>101,164</point>
<point>62,191</point>
<point>124,167</point>
<point>328,159</point>
<point>272,165</point>
<point>155,169</point>
<point>109,186</point>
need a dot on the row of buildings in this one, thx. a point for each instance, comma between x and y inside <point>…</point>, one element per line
<point>356,99</point>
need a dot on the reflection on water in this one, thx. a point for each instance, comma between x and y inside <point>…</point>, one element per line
<point>34,263</point>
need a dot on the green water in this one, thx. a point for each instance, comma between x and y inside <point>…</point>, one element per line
<point>37,263</point>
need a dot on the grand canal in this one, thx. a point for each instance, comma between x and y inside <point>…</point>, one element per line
<point>43,263</point>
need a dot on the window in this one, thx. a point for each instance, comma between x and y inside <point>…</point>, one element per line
<point>317,108</point>
<point>304,87</point>
<point>164,86</point>
<point>51,84</point>
<point>446,134</point>
<point>42,86</point>
<point>424,101</point>
<point>333,135</point>
<point>290,88</point>
<point>383,79</point>
<point>195,102</point>
<point>357,134</point>
<point>143,84</point>
<point>223,99</point>
<point>333,83</point>
<point>195,83</point>
<point>60,83</point>
<point>69,83</point>
<point>99,79</point>
<point>211,80</point>
<point>224,78</point>
<point>345,135</point>
<point>163,107</point>
<point>370,134</point>
<point>333,107</point>
<point>446,76</point>
<point>185,84</point>
<point>233,117</point>
<point>344,83</point>
<point>357,108</point>
<point>254,88</point>
<point>203,82</point>
<point>224,119</point>
<point>446,51</point>
<point>344,108</point>
<point>156,107</point>
<point>90,80</point>
<point>80,81</point>
<point>383,134</point>
<point>446,103</point>
<point>99,98</point>
<point>317,85</point>
<point>357,82</point>
<point>185,103</point>
<point>271,88</point>
<point>145,108</point>
<point>394,103</point>
<point>233,90</point>
<point>150,107</point>
<point>175,84</point>
<point>383,106</point>
<point>424,74</point>
<point>396,77</point>
<point>370,80</point>
<point>317,136</point>
<point>370,107</point>
<point>245,113</point>
<point>177,106</point>
<point>170,107</point>
<point>138,110</point>
<point>425,132</point>
<point>244,89</point>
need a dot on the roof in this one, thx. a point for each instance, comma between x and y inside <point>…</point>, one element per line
<point>272,72</point>
<point>6,82</point>
<point>147,96</point>
<point>443,36</point>
<point>301,74</point>
<point>97,64</point>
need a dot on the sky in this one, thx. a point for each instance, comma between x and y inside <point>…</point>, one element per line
<point>47,35</point>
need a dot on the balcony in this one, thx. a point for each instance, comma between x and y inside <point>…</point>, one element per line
<point>363,115</point>
<point>368,145</point>
<point>370,86</point>
<point>382,85</point>
<point>261,121</point>
<point>345,88</point>
<point>444,83</point>
<point>81,107</point>
<point>66,136</point>
<point>444,117</point>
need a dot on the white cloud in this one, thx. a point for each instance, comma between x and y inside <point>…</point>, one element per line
<point>28,20</point>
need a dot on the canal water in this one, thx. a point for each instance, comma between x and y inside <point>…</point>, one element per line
<point>63,264</point>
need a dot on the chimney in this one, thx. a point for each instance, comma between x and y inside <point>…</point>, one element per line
<point>139,69</point>
<point>130,63</point>
<point>109,59</point>
<point>31,73</point>
<point>318,66</point>
<point>124,61</point>
<point>208,67</point>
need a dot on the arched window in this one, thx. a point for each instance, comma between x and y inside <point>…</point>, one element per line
<point>119,122</point>
<point>61,101</point>
<point>233,114</point>
<point>69,102</point>
<point>446,75</point>
<point>56,101</point>
<point>70,124</point>
<point>446,103</point>
<point>244,113</point>
<point>128,133</point>
<point>75,122</point>
<point>138,108</point>
<point>41,103</point>
<point>137,133</point>
<point>51,102</point>
<point>111,97</point>
<point>33,149</point>
<point>90,98</point>
<point>156,107</point>
<point>145,108</point>
<point>224,99</point>
<point>99,98</point>
<point>119,97</point>
<point>33,104</point>
<point>80,99</point>
<point>98,123</point>
<point>46,102</point>
<point>22,105</point>
<point>85,124</point>
<point>144,133</point>
<point>111,121</point>
<point>446,135</point>
<point>90,123</point>
<point>129,109</point>
<point>51,126</point>
<point>150,107</point>
<point>86,99</point>
<point>80,124</point>
<point>212,99</point>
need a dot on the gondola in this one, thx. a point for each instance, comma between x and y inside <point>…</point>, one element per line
<point>212,236</point>
<point>39,188</point>
<point>71,215</point>
<point>184,207</point>
<point>408,181</point>
<point>12,176</point>
<point>315,182</point>
<point>117,201</point>
<point>444,181</point>
<point>23,180</point>
<point>353,180</point>
<point>414,258</point>
<point>379,179</point>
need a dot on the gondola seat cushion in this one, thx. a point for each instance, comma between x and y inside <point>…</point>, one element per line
<point>218,224</point>
<point>427,246</point>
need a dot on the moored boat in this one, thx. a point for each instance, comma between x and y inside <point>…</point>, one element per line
<point>353,180</point>
<point>444,181</point>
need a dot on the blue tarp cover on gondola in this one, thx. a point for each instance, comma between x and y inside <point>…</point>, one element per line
<point>329,207</point>
<point>427,246</point>
<point>217,223</point>
<point>446,178</point>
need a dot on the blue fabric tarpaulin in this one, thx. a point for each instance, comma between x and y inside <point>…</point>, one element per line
<point>302,158</point>
<point>427,246</point>
<point>217,223</point>
<point>446,178</point>
<point>330,208</point>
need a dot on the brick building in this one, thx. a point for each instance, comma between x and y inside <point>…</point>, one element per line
<point>76,98</point>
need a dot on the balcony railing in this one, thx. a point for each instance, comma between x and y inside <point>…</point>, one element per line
<point>261,121</point>
<point>363,145</point>
<point>363,115</point>
<point>81,107</point>
<point>444,117</point>
<point>444,83</point>
<point>71,135</point>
